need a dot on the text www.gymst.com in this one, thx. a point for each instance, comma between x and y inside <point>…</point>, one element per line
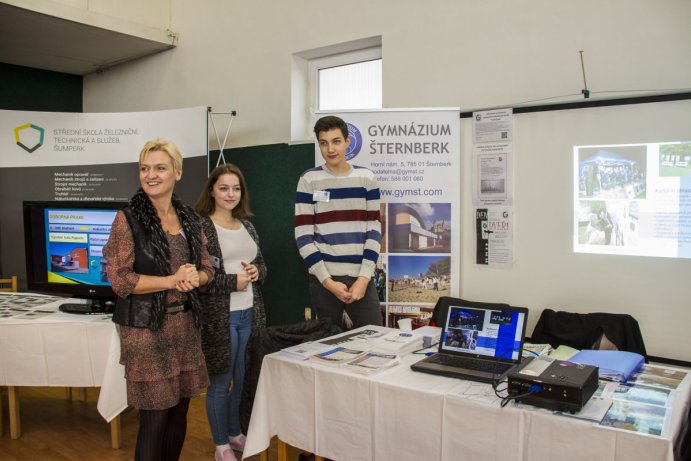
<point>417,192</point>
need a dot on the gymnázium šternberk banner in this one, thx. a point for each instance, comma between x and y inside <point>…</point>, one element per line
<point>415,156</point>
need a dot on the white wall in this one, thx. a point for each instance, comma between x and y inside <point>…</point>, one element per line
<point>442,53</point>
<point>141,18</point>
<point>237,54</point>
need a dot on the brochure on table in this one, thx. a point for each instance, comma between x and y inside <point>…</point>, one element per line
<point>28,307</point>
<point>643,404</point>
<point>366,350</point>
<point>304,351</point>
<point>380,339</point>
<point>532,350</point>
<point>337,355</point>
<point>373,362</point>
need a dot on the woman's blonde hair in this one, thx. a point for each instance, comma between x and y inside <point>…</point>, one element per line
<point>164,146</point>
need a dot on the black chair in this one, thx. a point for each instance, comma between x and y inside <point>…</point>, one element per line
<point>589,331</point>
<point>273,339</point>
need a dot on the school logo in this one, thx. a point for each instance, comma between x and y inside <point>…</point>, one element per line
<point>355,142</point>
<point>29,137</point>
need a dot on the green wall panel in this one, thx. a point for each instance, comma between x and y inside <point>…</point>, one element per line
<point>24,88</point>
<point>272,172</point>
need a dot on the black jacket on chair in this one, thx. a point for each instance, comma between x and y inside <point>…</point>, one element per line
<point>273,339</point>
<point>583,331</point>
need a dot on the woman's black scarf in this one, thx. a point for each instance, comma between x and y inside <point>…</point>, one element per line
<point>144,212</point>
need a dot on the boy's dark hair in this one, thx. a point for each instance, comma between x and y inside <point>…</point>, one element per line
<point>330,122</point>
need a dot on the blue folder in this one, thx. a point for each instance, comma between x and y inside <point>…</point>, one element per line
<point>613,365</point>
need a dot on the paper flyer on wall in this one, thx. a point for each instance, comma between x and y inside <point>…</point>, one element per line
<point>492,174</point>
<point>493,125</point>
<point>494,237</point>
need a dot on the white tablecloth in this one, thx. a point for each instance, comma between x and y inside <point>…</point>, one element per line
<point>64,350</point>
<point>403,415</point>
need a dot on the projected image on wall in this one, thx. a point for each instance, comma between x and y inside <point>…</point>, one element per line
<point>633,199</point>
<point>675,159</point>
<point>607,222</point>
<point>612,172</point>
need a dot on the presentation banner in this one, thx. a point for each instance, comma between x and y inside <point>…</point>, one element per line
<point>86,152</point>
<point>415,156</point>
<point>31,139</point>
<point>54,156</point>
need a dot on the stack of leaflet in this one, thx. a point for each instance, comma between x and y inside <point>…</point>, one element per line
<point>397,342</point>
<point>304,351</point>
<point>336,356</point>
<point>372,362</point>
<point>614,365</point>
<point>358,339</point>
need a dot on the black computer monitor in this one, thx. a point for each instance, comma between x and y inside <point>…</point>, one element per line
<point>64,248</point>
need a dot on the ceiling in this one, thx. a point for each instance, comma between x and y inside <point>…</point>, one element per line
<point>32,39</point>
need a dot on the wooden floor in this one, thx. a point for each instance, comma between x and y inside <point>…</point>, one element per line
<point>56,429</point>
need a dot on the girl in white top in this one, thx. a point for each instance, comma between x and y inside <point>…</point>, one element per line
<point>233,306</point>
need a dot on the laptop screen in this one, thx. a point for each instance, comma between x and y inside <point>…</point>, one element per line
<point>496,333</point>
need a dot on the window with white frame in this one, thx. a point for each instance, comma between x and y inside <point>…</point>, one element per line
<point>341,76</point>
<point>351,80</point>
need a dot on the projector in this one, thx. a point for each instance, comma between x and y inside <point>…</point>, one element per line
<point>555,384</point>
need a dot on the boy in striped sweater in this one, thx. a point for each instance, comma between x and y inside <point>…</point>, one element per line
<point>337,230</point>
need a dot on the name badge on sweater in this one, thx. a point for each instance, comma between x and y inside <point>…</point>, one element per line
<point>320,195</point>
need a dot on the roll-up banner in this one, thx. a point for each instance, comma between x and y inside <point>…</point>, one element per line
<point>415,156</point>
<point>86,156</point>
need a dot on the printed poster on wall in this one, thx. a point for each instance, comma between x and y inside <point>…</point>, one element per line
<point>493,125</point>
<point>494,237</point>
<point>492,187</point>
<point>415,156</point>
<point>492,174</point>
